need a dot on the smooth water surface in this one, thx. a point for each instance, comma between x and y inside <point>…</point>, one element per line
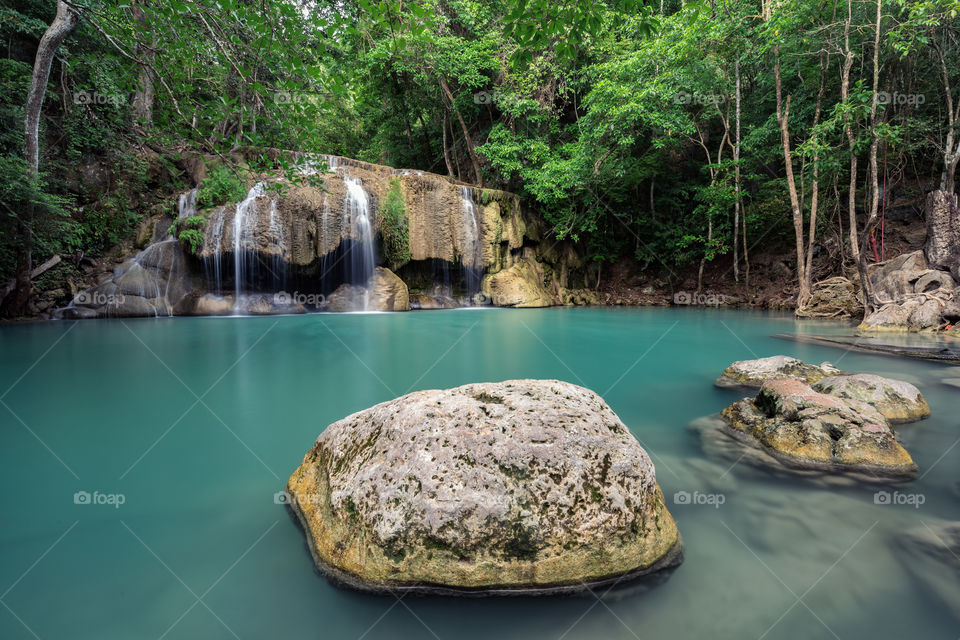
<point>195,424</point>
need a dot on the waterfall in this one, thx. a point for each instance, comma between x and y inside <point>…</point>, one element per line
<point>278,271</point>
<point>187,204</point>
<point>362,258</point>
<point>309,165</point>
<point>244,242</point>
<point>471,260</point>
<point>215,249</point>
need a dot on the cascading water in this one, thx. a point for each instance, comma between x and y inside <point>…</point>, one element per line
<point>187,204</point>
<point>155,269</point>
<point>362,259</point>
<point>244,243</point>
<point>471,260</point>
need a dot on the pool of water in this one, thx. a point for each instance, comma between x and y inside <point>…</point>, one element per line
<point>195,424</point>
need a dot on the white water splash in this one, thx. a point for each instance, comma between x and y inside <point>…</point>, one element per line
<point>187,204</point>
<point>362,257</point>
<point>471,258</point>
<point>244,242</point>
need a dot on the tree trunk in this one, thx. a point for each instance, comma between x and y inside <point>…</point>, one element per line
<point>474,160</point>
<point>815,187</point>
<point>736,179</point>
<point>851,140</point>
<point>783,115</point>
<point>143,97</point>
<point>446,149</point>
<point>63,23</point>
<point>871,224</point>
<point>59,29</point>
<point>951,152</point>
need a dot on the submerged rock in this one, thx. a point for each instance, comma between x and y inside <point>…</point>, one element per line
<point>430,302</point>
<point>932,555</point>
<point>524,486</point>
<point>806,429</point>
<point>896,400</point>
<point>753,373</point>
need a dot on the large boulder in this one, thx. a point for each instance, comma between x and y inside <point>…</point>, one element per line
<point>753,373</point>
<point>942,249</point>
<point>835,297</point>
<point>518,487</point>
<point>809,430</point>
<point>913,291</point>
<point>896,400</point>
<point>520,285</point>
<point>153,283</point>
<point>388,292</point>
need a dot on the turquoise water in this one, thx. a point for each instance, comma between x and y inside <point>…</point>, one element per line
<point>196,423</point>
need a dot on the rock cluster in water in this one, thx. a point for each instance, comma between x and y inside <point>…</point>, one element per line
<point>839,423</point>
<point>524,486</point>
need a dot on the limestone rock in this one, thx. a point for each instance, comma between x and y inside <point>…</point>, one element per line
<point>753,373</point>
<point>925,316</point>
<point>833,298</point>
<point>896,400</point>
<point>426,301</point>
<point>266,304</point>
<point>347,297</point>
<point>207,304</point>
<point>806,429</point>
<point>388,292</point>
<point>942,249</point>
<point>152,283</point>
<point>900,285</point>
<point>521,285</point>
<point>523,486</point>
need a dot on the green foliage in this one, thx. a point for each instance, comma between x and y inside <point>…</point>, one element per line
<point>28,207</point>
<point>394,228</point>
<point>189,231</point>
<point>612,119</point>
<point>221,186</point>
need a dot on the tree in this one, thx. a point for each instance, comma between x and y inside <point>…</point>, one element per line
<point>63,23</point>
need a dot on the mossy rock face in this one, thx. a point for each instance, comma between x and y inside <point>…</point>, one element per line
<point>808,430</point>
<point>524,486</point>
<point>753,373</point>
